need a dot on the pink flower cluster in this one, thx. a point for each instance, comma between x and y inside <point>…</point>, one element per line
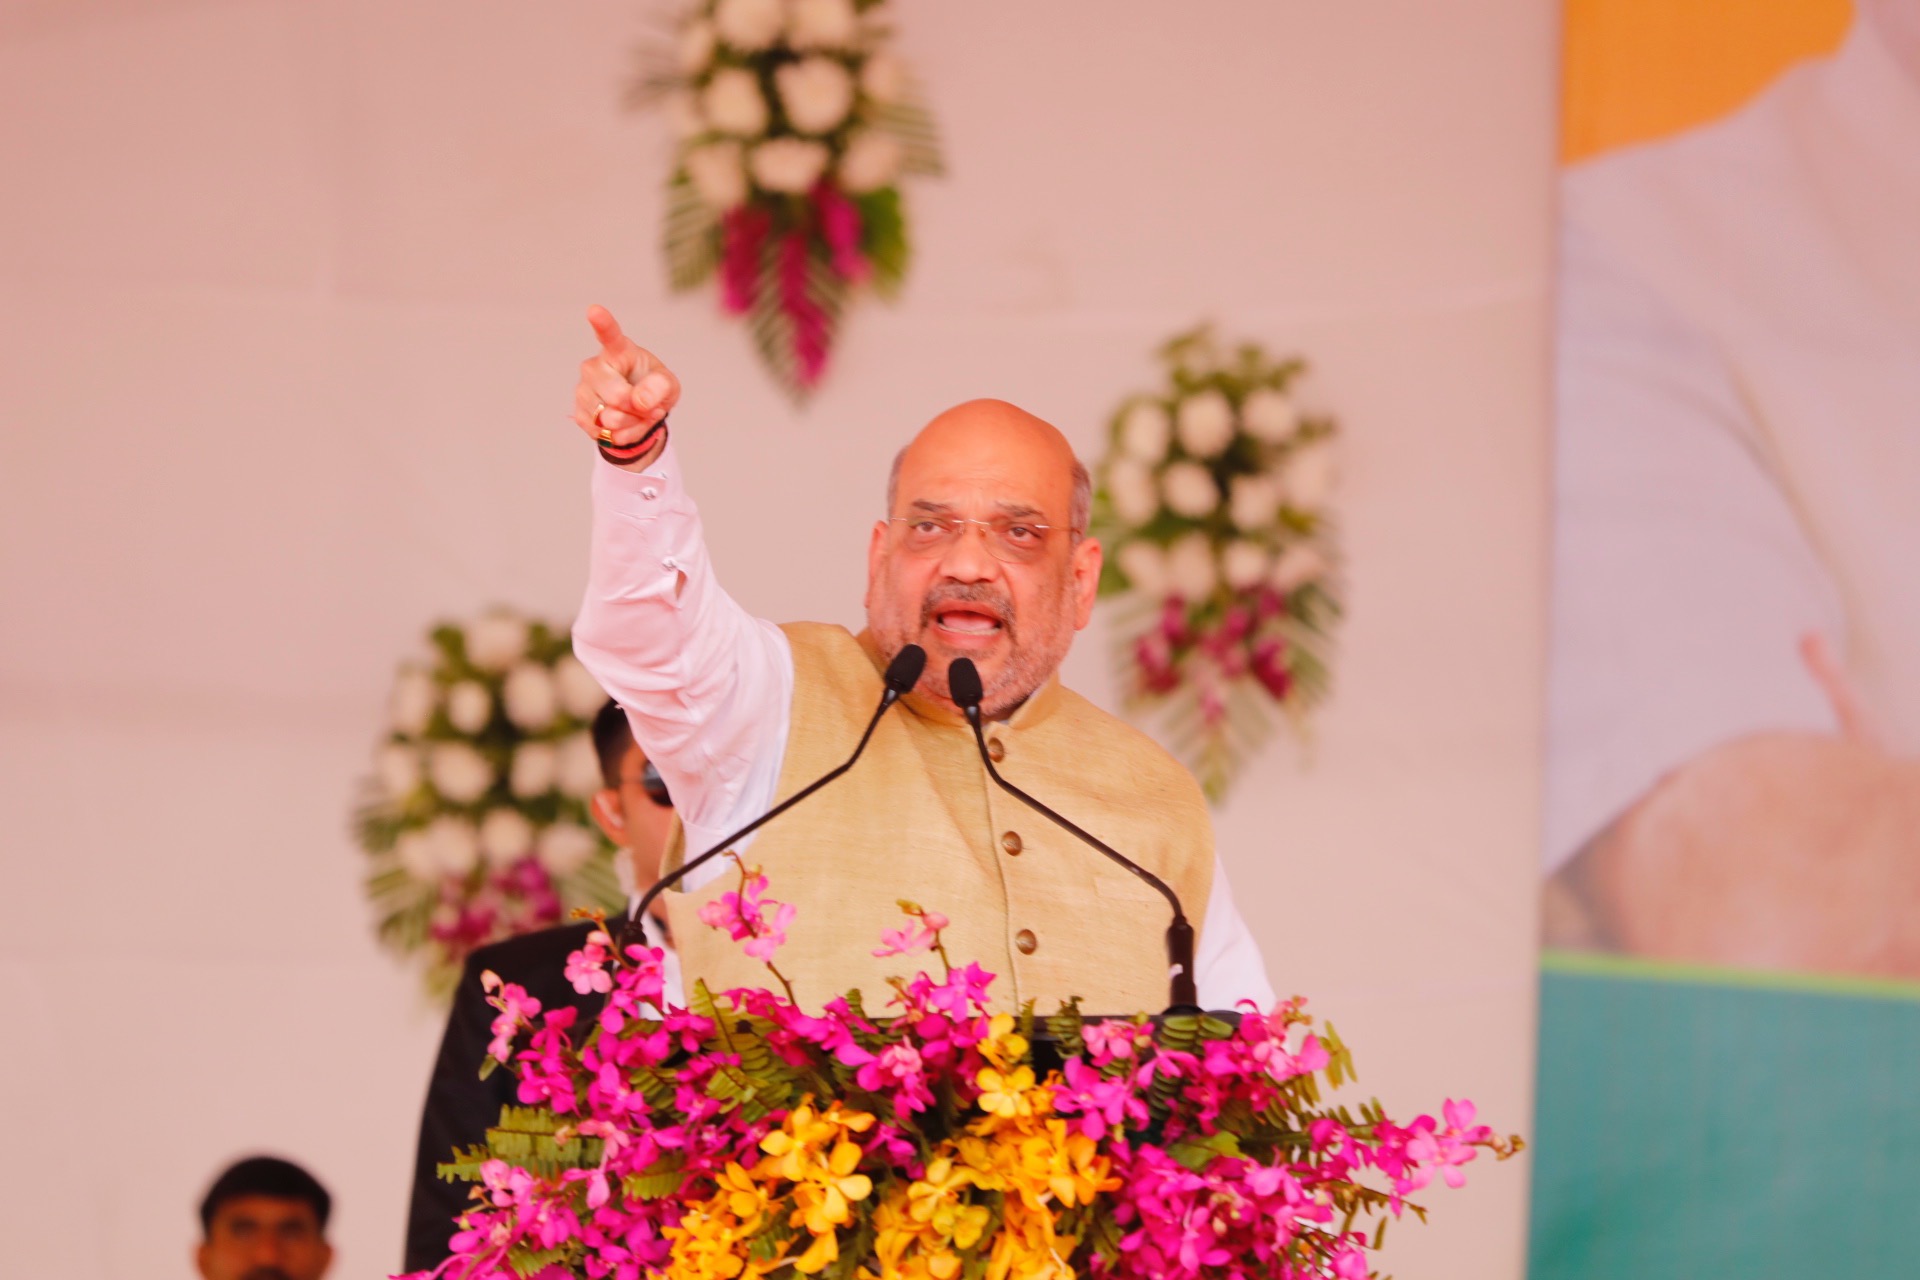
<point>654,1102</point>
<point>510,901</point>
<point>826,234</point>
<point>1191,643</point>
<point>919,936</point>
<point>745,917</point>
<point>599,1091</point>
<point>1239,1219</point>
<point>1228,1215</point>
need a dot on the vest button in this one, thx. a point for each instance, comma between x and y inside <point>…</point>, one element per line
<point>1011,842</point>
<point>1027,943</point>
<point>996,750</point>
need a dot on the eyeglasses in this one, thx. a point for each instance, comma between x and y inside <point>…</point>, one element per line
<point>1009,540</point>
<point>654,785</point>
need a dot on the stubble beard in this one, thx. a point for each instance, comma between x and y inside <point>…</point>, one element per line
<point>1035,645</point>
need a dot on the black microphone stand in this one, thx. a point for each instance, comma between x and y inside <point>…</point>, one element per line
<point>963,685</point>
<point>902,674</point>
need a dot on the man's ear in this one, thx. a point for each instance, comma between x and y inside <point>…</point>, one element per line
<point>1085,566</point>
<point>200,1258</point>
<point>326,1257</point>
<point>609,814</point>
<point>876,552</point>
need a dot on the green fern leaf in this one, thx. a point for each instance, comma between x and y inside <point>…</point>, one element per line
<point>531,1262</point>
<point>659,1180</point>
<point>690,236</point>
<point>911,125</point>
<point>465,1165</point>
<point>772,328</point>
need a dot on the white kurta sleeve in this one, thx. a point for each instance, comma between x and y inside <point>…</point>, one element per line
<point>1228,967</point>
<point>1683,579</point>
<point>707,687</point>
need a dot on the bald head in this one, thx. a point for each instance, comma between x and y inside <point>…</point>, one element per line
<point>993,432</point>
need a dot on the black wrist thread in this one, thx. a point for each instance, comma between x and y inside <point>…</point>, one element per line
<point>621,455</point>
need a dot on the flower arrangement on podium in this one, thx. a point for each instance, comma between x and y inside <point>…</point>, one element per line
<point>796,123</point>
<point>475,817</point>
<point>1212,508</point>
<point>742,1137</point>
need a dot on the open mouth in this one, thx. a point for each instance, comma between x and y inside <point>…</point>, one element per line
<point>967,620</point>
<point>967,617</point>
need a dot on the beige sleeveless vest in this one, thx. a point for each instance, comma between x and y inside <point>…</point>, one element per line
<point>918,818</point>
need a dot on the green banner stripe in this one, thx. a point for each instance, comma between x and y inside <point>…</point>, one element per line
<point>1726,1129</point>
<point>1600,964</point>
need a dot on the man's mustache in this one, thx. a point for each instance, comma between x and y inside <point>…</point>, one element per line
<point>942,597</point>
<point>266,1273</point>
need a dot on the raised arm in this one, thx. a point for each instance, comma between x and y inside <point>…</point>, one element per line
<point>706,686</point>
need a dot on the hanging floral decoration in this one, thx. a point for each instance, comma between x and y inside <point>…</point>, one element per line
<point>796,124</point>
<point>475,818</point>
<point>1212,507</point>
<point>943,1139</point>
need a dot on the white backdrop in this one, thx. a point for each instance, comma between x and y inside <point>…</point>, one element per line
<point>290,297</point>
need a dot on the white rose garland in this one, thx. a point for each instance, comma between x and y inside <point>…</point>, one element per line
<point>469,706</point>
<point>1213,510</point>
<point>718,171</point>
<point>414,700</point>
<point>816,93</point>
<point>749,25</point>
<point>496,641</point>
<point>795,126</point>
<point>732,103</point>
<point>458,772</point>
<point>1133,490</point>
<point>871,162</point>
<point>1269,416</point>
<point>823,24</point>
<point>1205,424</point>
<point>475,816</point>
<point>529,697</point>
<point>789,165</point>
<point>1189,489</point>
<point>535,770</point>
<point>580,694</point>
<point>1145,430</point>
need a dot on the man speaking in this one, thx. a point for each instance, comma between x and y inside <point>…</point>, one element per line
<point>983,554</point>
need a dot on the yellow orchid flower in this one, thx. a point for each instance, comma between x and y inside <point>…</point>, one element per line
<point>824,1249</point>
<point>703,1245</point>
<point>1005,1093</point>
<point>972,1224</point>
<point>794,1146</point>
<point>941,1182</point>
<point>1002,1046</point>
<point>1079,1172</point>
<point>745,1198</point>
<point>843,1159</point>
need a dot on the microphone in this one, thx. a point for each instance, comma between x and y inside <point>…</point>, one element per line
<point>902,674</point>
<point>963,686</point>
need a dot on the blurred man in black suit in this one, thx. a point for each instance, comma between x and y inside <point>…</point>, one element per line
<point>634,811</point>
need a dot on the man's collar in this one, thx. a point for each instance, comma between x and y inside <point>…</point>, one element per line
<point>1042,704</point>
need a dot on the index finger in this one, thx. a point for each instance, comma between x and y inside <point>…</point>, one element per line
<point>606,329</point>
<point>1849,712</point>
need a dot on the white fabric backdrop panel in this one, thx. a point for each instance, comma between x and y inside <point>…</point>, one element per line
<point>290,299</point>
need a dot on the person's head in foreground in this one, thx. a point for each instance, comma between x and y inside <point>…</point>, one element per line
<point>633,809</point>
<point>984,552</point>
<point>264,1219</point>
